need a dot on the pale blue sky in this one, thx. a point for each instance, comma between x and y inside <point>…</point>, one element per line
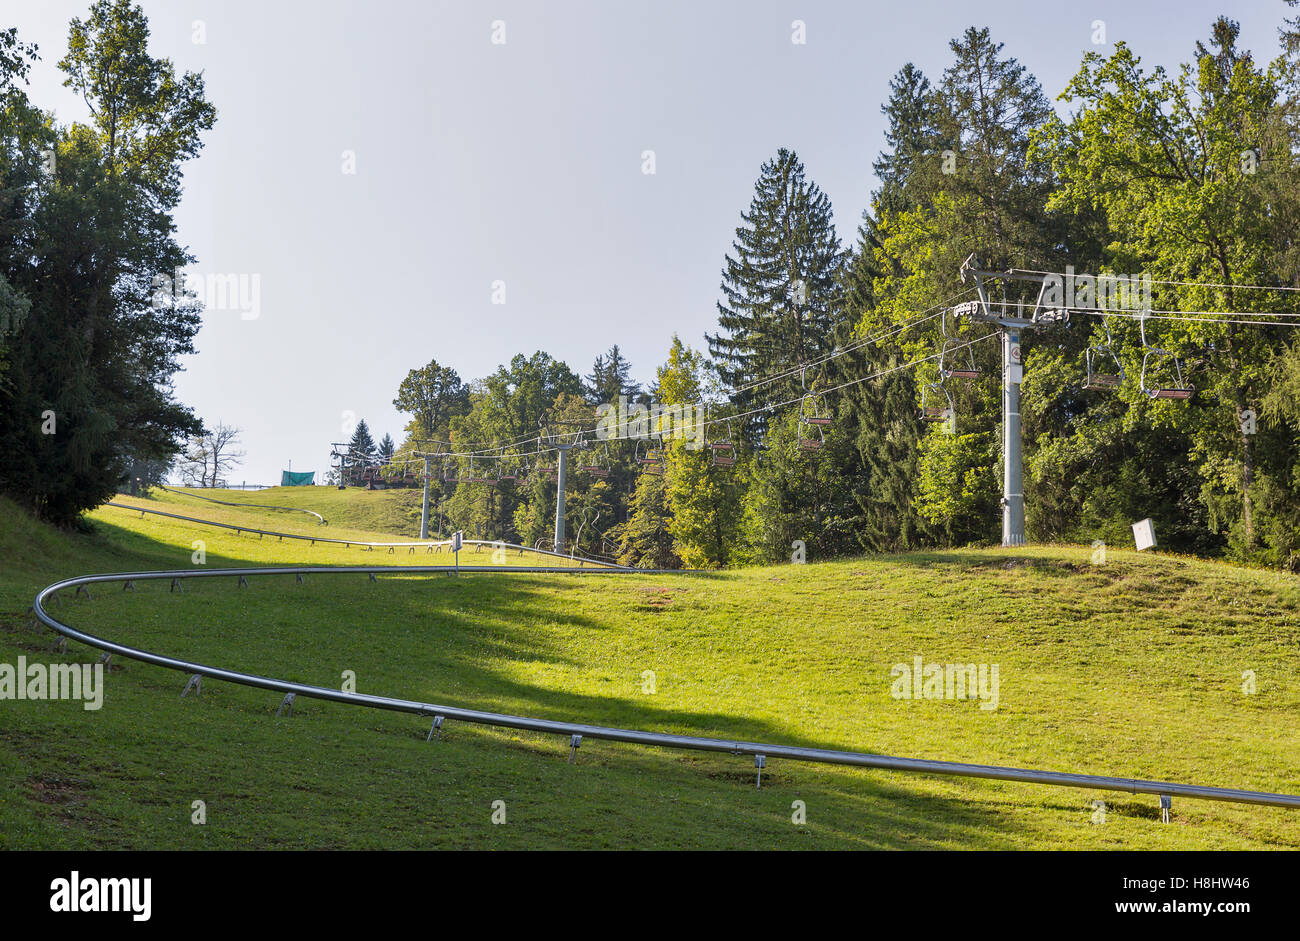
<point>522,163</point>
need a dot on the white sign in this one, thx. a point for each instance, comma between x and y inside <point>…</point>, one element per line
<point>1144,534</point>
<point>456,539</point>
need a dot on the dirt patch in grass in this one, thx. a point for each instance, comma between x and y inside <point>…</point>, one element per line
<point>58,791</point>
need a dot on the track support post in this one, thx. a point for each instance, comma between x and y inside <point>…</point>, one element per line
<point>287,704</point>
<point>196,684</point>
<point>435,729</point>
<point>574,742</point>
<point>1166,804</point>
<point>760,762</point>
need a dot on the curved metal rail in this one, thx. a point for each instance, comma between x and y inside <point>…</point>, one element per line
<point>256,506</point>
<point>759,750</point>
<point>390,546</point>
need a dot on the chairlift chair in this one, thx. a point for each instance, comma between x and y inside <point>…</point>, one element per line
<point>930,411</point>
<point>594,467</point>
<point>959,372</point>
<point>813,415</point>
<point>724,452</point>
<point>473,478</point>
<point>1102,381</point>
<point>811,423</point>
<point>646,455</point>
<point>1179,389</point>
<point>1097,379</point>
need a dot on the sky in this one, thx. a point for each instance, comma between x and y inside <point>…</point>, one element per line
<point>392,182</point>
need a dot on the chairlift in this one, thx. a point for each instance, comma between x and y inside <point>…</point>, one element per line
<point>724,451</point>
<point>951,344</point>
<point>647,456</point>
<point>450,472</point>
<point>478,478</point>
<point>970,371</point>
<point>811,423</point>
<point>929,410</point>
<point>1179,389</point>
<point>594,467</point>
<point>1094,360</point>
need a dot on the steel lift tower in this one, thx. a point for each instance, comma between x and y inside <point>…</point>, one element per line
<point>1012,319</point>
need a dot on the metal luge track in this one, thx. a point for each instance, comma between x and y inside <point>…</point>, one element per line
<point>435,711</point>
<point>427,544</point>
<point>256,506</point>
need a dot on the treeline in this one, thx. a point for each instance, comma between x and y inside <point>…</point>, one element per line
<point>86,223</point>
<point>1189,179</point>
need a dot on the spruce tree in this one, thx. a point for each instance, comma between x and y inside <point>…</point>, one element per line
<point>362,445</point>
<point>780,286</point>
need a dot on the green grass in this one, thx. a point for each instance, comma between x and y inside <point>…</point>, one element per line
<point>393,512</point>
<point>1130,668</point>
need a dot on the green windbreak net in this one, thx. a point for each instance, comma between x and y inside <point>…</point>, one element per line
<point>297,479</point>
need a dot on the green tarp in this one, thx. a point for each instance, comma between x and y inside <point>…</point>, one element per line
<point>297,479</point>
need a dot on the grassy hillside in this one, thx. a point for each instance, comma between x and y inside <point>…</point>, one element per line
<point>393,512</point>
<point>1129,668</point>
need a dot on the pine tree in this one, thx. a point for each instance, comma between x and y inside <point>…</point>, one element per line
<point>879,415</point>
<point>609,378</point>
<point>362,445</point>
<point>387,448</point>
<point>781,287</point>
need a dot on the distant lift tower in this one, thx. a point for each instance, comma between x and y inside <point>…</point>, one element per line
<point>550,436</point>
<point>1012,319</point>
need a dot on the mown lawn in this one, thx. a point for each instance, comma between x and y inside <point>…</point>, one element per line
<point>1129,668</point>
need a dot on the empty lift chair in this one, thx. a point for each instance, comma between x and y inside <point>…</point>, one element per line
<point>811,423</point>
<point>936,403</point>
<point>965,367</point>
<point>1097,359</point>
<point>1177,387</point>
<point>724,452</point>
<point>650,459</point>
<point>593,465</point>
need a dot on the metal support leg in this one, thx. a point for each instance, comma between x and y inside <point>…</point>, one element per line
<point>196,684</point>
<point>435,729</point>
<point>82,589</point>
<point>60,644</point>
<point>1166,804</point>
<point>574,742</point>
<point>372,576</point>
<point>298,577</point>
<point>129,586</point>
<point>760,762</point>
<point>286,705</point>
<point>243,582</point>
<point>105,658</point>
<point>176,586</point>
